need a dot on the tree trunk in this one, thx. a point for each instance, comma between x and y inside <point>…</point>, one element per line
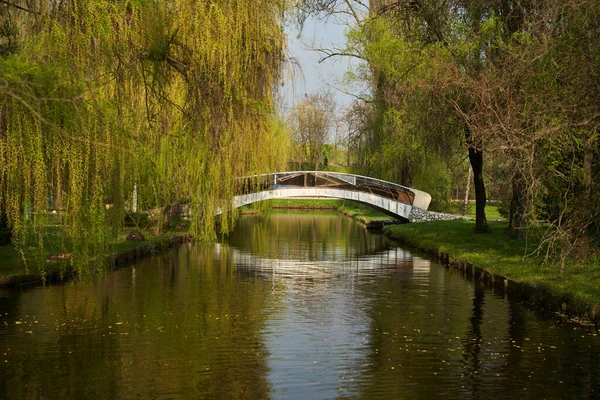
<point>516,219</point>
<point>170,213</point>
<point>406,176</point>
<point>476,159</point>
<point>134,200</point>
<point>466,204</point>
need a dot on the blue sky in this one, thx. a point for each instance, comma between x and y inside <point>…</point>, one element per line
<point>316,76</point>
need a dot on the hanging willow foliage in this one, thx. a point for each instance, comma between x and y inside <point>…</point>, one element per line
<point>173,96</point>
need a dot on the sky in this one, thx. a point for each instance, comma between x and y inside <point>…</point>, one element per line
<point>315,76</point>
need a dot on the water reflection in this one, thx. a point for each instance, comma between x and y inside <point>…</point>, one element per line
<point>160,330</point>
<point>305,236</point>
<point>291,306</point>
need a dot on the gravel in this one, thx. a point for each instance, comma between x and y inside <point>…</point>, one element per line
<point>420,215</point>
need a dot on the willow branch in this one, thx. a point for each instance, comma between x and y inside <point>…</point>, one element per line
<point>59,129</point>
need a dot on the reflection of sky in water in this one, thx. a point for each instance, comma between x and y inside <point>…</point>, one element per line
<point>318,343</point>
<point>319,337</point>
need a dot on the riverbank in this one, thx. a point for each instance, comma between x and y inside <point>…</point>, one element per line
<point>13,272</point>
<point>45,266</point>
<point>504,263</point>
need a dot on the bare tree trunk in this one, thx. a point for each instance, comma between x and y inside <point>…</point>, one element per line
<point>406,178</point>
<point>466,204</point>
<point>476,159</point>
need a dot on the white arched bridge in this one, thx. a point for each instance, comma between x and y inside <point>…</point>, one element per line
<point>394,199</point>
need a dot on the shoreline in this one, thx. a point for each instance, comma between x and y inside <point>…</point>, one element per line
<point>565,304</point>
<point>370,219</point>
<point>58,274</point>
<point>542,292</point>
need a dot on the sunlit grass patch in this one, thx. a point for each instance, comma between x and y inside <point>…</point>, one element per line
<point>491,211</point>
<point>362,211</point>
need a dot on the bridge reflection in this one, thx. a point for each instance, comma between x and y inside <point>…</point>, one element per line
<point>330,267</point>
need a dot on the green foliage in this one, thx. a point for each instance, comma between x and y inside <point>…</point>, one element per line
<point>434,178</point>
<point>139,220</point>
<point>174,97</point>
<point>516,83</point>
<point>5,231</point>
<point>411,135</point>
<point>8,37</point>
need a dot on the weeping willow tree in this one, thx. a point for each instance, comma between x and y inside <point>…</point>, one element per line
<point>174,97</point>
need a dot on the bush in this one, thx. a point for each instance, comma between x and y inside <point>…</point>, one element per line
<point>140,220</point>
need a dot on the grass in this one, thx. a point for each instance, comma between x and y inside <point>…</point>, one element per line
<point>501,254</point>
<point>362,212</point>
<point>11,263</point>
<point>303,203</point>
<point>491,212</point>
<point>346,169</point>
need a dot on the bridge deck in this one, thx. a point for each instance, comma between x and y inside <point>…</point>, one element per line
<point>395,199</point>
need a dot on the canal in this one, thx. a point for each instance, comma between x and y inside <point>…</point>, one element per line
<point>290,306</point>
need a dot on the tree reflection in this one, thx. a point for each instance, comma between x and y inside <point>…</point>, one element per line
<point>129,337</point>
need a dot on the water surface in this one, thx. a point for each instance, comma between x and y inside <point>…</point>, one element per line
<point>292,306</point>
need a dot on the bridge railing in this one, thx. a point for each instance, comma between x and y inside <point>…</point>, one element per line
<point>324,179</point>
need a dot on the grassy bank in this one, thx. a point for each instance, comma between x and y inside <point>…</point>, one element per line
<point>500,254</point>
<point>362,212</point>
<point>12,263</point>
<point>308,204</point>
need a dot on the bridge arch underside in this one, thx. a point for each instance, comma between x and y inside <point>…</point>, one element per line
<point>391,207</point>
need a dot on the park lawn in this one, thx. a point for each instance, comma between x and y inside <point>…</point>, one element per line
<point>501,254</point>
<point>345,169</point>
<point>12,262</point>
<point>491,212</point>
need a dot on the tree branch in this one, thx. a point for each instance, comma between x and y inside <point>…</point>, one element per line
<point>331,53</point>
<point>19,7</point>
<point>366,100</point>
<point>353,12</point>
